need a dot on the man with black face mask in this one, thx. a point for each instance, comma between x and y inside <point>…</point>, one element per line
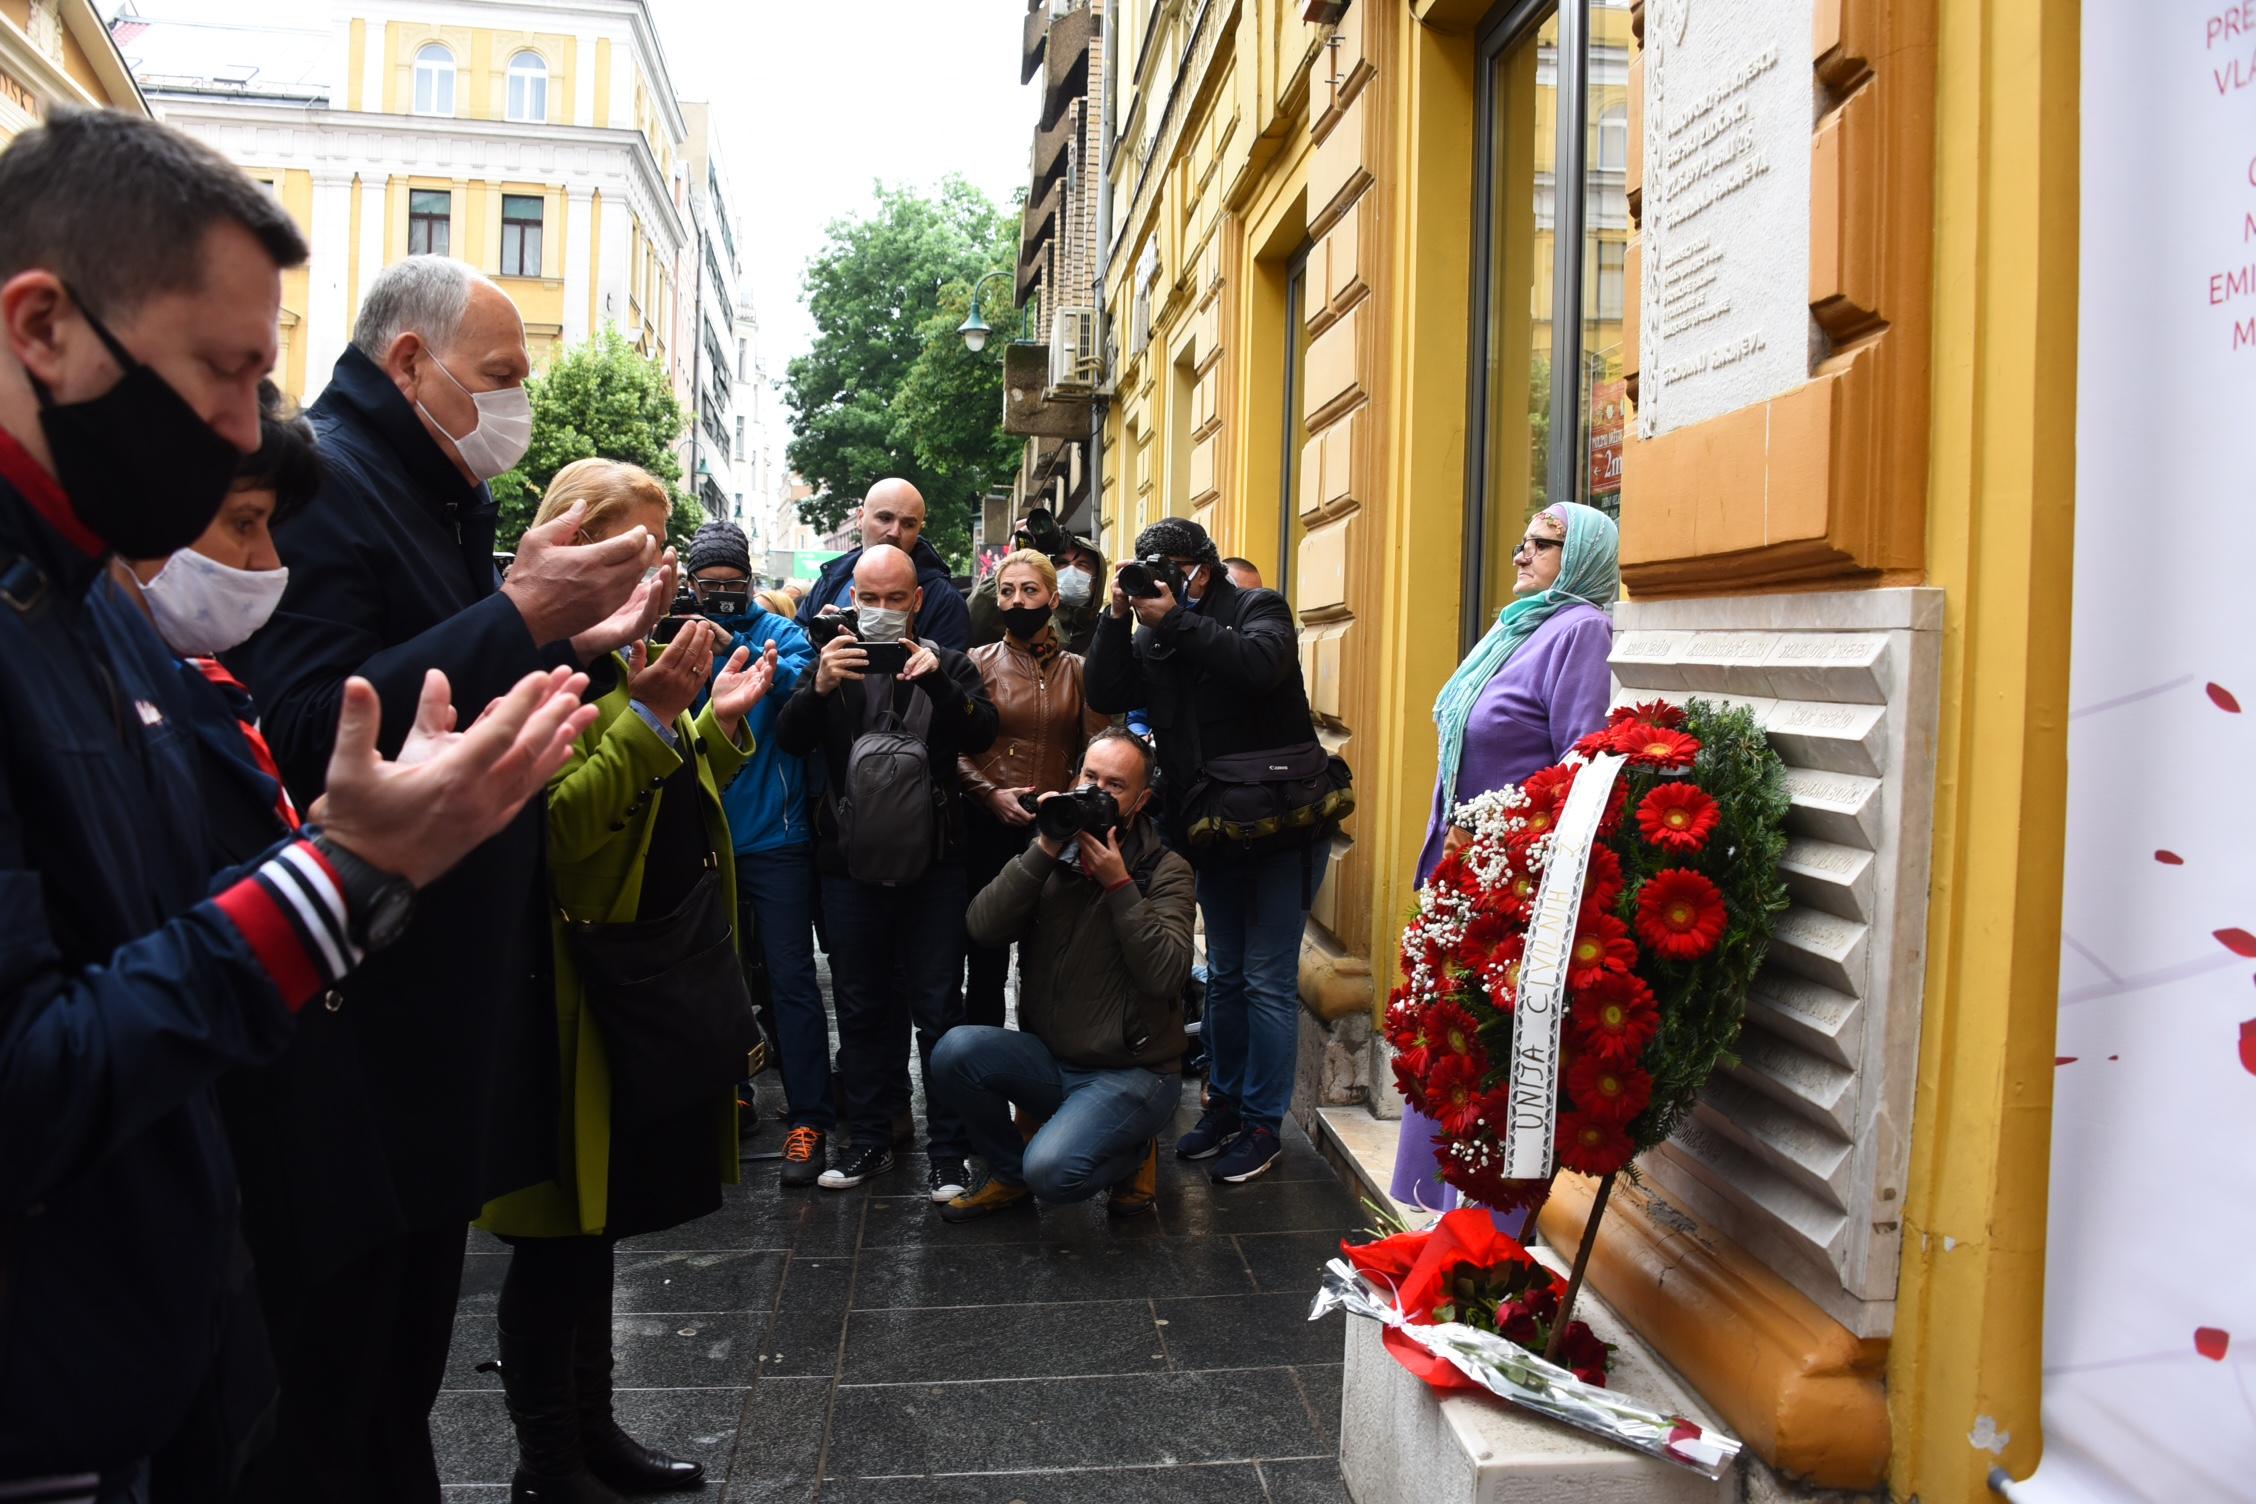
<point>435,1091</point>
<point>140,281</point>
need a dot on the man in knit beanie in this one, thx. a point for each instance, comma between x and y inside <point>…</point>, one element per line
<point>1219,672</point>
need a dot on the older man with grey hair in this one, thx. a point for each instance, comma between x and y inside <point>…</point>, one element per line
<point>427,1086</point>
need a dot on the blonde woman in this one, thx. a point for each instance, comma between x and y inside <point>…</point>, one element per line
<point>1036,687</point>
<point>635,834</point>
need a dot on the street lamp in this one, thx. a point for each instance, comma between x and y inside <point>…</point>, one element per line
<point>975,329</point>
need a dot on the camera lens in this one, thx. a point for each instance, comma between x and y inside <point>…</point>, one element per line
<point>1059,818</point>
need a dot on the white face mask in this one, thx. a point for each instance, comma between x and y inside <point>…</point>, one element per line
<point>202,607</point>
<point>503,433</point>
<point>876,624</point>
<point>1073,585</point>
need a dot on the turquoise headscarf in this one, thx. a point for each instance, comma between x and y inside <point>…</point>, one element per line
<point>1589,572</point>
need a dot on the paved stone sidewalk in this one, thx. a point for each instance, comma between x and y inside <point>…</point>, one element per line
<point>850,1346</point>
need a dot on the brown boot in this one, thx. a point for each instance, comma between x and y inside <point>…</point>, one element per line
<point>1139,1192</point>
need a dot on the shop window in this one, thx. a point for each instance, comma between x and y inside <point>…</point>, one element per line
<point>434,81</point>
<point>430,215</point>
<point>528,87</point>
<point>1547,393</point>
<point>521,215</point>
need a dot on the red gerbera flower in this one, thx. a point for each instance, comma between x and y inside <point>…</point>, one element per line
<point>1502,973</point>
<point>1513,897</point>
<point>1546,793</point>
<point>1652,713</point>
<point>1410,1079</point>
<point>1487,930</point>
<point>1676,816</point>
<point>1597,741</point>
<point>1451,1031</point>
<point>1605,1090</point>
<point>1615,1019</point>
<point>1601,944</point>
<point>1602,879</point>
<point>1648,746</point>
<point>1453,1094</point>
<point>1680,914</point>
<point>1592,1145</point>
<point>1617,804</point>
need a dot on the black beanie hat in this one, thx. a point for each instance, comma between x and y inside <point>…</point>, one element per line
<point>1177,538</point>
<point>719,543</point>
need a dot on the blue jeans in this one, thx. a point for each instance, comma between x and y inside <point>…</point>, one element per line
<point>895,950</point>
<point>779,888</point>
<point>1100,1122</point>
<point>1255,912</point>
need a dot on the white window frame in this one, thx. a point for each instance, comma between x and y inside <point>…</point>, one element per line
<point>527,68</point>
<point>434,71</point>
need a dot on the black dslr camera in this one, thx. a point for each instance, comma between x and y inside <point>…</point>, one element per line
<point>683,611</point>
<point>1041,533</point>
<point>821,629</point>
<point>1063,816</point>
<point>1141,578</point>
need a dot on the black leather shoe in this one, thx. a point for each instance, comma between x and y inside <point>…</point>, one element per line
<point>537,1379</point>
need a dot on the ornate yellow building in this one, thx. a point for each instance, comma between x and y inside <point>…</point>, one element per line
<point>57,52</point>
<point>545,157</point>
<point>1791,287</point>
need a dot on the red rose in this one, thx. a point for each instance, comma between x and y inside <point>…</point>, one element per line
<point>1615,1019</point>
<point>1580,1350</point>
<point>1592,1145</point>
<point>1601,944</point>
<point>1453,1094</point>
<point>1676,817</point>
<point>1680,914</point>
<point>1602,1089</point>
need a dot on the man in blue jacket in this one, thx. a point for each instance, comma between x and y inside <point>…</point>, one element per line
<point>140,281</point>
<point>775,854</point>
<point>893,512</point>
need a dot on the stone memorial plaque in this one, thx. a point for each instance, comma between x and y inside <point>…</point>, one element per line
<point>1724,314</point>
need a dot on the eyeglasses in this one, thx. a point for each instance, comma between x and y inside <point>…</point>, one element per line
<point>1532,545</point>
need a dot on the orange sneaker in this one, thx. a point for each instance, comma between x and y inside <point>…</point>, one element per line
<point>803,1158</point>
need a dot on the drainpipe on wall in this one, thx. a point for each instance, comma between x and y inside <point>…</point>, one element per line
<point>1101,260</point>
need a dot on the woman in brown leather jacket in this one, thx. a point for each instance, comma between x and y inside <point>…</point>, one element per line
<point>1036,687</point>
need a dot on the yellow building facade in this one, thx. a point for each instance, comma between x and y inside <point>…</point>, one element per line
<point>546,159</point>
<point>1336,264</point>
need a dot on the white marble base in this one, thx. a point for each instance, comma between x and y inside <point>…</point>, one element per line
<point>1399,1444</point>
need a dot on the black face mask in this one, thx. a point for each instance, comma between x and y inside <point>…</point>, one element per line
<point>1022,622</point>
<point>142,470</point>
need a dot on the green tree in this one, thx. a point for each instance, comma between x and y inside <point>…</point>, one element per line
<point>601,399</point>
<point>888,388</point>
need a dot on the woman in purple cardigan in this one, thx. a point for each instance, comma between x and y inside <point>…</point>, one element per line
<point>1535,685</point>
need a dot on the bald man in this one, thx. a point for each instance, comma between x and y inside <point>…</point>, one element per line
<point>893,516</point>
<point>902,939</point>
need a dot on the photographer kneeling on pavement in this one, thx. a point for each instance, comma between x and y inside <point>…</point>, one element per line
<point>1102,914</point>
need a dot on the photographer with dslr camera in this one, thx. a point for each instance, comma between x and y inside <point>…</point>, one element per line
<point>1102,914</point>
<point>1252,798</point>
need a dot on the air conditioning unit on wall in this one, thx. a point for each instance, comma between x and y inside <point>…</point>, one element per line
<point>1074,352</point>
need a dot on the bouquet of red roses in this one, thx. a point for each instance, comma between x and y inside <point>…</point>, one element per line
<point>1678,899</point>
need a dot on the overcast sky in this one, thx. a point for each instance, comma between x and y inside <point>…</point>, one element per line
<point>816,98</point>
<point>813,99</point>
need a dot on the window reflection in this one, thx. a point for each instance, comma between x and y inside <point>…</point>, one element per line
<point>1605,251</point>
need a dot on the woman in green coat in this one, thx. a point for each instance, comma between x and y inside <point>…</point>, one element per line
<point>634,820</point>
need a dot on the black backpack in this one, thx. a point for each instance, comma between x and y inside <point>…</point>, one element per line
<point>889,804</point>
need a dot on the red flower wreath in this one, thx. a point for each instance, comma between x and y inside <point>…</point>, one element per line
<point>1614,1093</point>
<point>1676,817</point>
<point>1616,1019</point>
<point>1680,914</point>
<point>1450,1030</point>
<point>1592,1145</point>
<point>1602,879</point>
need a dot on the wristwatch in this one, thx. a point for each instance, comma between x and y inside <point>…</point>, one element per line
<point>378,904</point>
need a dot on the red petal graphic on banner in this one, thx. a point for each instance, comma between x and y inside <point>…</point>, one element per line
<point>2239,942</point>
<point>2248,1046</point>
<point>2211,1342</point>
<point>2063,1060</point>
<point>2223,698</point>
<point>2169,858</point>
